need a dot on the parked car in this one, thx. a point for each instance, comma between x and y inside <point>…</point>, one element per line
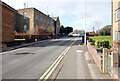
<point>70,35</point>
<point>77,35</point>
<point>80,35</point>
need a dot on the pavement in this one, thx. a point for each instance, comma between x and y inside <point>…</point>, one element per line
<point>80,65</point>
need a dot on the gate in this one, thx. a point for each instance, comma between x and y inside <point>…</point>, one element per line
<point>109,64</point>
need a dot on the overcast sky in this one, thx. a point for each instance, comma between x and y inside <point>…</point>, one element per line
<point>71,12</point>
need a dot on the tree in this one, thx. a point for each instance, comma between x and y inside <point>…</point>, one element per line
<point>65,30</point>
<point>68,30</point>
<point>62,29</point>
<point>105,30</point>
<point>101,33</point>
<point>97,24</point>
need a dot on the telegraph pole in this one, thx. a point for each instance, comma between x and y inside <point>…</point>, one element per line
<point>85,23</point>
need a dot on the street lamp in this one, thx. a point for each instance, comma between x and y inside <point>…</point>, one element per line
<point>85,23</point>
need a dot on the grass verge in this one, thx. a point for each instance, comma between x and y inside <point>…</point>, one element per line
<point>107,38</point>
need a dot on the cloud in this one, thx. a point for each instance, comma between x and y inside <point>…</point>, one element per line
<point>71,12</point>
<point>96,12</point>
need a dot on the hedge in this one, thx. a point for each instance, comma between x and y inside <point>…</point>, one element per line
<point>101,43</point>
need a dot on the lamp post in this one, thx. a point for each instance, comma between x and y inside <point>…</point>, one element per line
<point>85,23</point>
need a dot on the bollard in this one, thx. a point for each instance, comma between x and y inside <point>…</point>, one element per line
<point>82,39</point>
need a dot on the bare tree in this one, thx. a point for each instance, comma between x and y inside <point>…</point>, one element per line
<point>97,24</point>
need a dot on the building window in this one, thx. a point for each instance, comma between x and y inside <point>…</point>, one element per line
<point>57,26</point>
<point>117,14</point>
<point>48,21</point>
<point>25,28</point>
<point>36,16</point>
<point>25,14</point>
<point>45,20</point>
<point>36,26</point>
<point>118,35</point>
<point>41,18</point>
<point>51,23</point>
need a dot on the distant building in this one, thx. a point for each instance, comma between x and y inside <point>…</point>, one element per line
<point>57,25</point>
<point>78,32</point>
<point>33,19</point>
<point>8,22</point>
<point>116,24</point>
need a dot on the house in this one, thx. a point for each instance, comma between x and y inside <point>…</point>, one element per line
<point>116,25</point>
<point>35,22</point>
<point>115,56</point>
<point>8,23</point>
<point>57,25</point>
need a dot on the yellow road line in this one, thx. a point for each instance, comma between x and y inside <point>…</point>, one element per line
<point>10,51</point>
<point>48,75</point>
<point>57,61</point>
<point>52,65</point>
<point>53,68</point>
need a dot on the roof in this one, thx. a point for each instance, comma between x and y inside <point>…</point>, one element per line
<point>27,8</point>
<point>3,3</point>
<point>37,10</point>
<point>55,18</point>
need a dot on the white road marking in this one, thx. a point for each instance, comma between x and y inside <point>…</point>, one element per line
<point>80,51</point>
<point>79,45</point>
<point>87,56</point>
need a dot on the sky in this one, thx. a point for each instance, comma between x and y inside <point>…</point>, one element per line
<point>72,12</point>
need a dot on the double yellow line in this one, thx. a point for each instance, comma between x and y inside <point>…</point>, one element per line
<point>50,70</point>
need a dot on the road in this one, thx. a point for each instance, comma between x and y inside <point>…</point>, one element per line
<point>64,58</point>
<point>31,62</point>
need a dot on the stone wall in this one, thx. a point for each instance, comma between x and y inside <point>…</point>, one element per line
<point>0,23</point>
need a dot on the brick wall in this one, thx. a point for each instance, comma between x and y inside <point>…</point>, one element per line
<point>0,22</point>
<point>7,24</point>
<point>95,56</point>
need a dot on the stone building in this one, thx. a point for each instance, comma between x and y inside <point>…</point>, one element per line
<point>33,19</point>
<point>20,22</point>
<point>57,25</point>
<point>116,24</point>
<point>8,22</point>
<point>115,55</point>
